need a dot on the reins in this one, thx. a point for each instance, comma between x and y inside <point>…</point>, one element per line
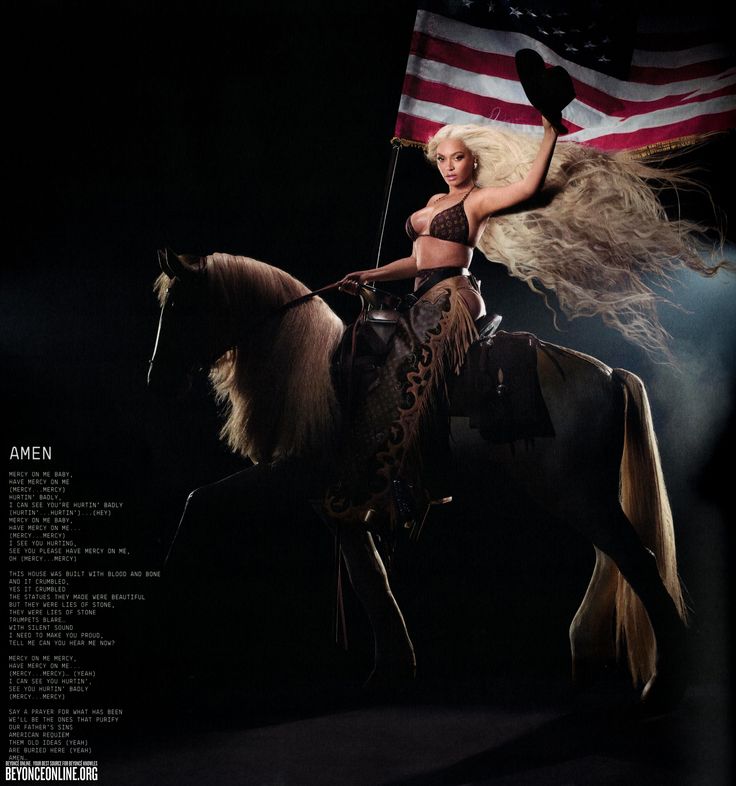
<point>370,295</point>
<point>304,298</point>
<point>284,307</point>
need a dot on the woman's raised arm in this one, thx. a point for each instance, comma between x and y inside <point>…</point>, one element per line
<point>492,199</point>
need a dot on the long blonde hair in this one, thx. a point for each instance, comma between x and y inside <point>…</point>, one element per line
<point>596,235</point>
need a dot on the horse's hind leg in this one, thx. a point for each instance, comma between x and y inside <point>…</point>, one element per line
<point>613,534</point>
<point>394,652</point>
<point>592,629</point>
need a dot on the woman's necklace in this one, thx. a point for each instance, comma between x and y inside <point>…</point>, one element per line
<point>464,193</point>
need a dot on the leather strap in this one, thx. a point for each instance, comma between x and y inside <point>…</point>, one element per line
<point>304,298</point>
<point>433,277</point>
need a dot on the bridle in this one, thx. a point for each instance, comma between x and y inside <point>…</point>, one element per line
<point>372,298</point>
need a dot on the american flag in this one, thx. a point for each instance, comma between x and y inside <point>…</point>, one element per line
<point>640,82</point>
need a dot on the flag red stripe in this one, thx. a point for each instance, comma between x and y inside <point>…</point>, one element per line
<point>649,75</point>
<point>498,109</point>
<point>650,136</point>
<point>420,129</point>
<point>503,66</point>
<point>695,83</point>
<point>615,107</point>
<point>464,57</point>
<point>484,106</point>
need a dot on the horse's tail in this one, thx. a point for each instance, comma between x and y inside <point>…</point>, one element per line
<point>645,502</point>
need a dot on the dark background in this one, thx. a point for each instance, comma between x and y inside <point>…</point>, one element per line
<point>263,129</point>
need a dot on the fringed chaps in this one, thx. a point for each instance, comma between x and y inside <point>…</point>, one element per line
<point>383,438</point>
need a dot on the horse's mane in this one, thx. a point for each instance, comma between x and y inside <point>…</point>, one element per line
<point>276,384</point>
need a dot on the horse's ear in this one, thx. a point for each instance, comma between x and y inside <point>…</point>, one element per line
<point>163,262</point>
<point>179,266</point>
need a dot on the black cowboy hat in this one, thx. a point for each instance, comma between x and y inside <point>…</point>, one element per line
<point>549,90</point>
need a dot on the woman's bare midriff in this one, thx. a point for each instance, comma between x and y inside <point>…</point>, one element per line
<point>431,252</point>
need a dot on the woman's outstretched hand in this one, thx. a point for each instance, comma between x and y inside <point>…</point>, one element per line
<point>352,281</point>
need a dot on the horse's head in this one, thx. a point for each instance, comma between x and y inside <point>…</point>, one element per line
<point>277,382</point>
<point>187,337</point>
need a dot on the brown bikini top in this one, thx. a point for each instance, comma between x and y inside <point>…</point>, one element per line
<point>450,224</point>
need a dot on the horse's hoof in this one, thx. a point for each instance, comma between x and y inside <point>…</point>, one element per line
<point>663,693</point>
<point>666,688</point>
<point>390,681</point>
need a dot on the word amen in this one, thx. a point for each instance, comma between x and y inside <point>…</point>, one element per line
<point>30,452</point>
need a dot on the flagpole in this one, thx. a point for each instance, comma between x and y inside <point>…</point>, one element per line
<point>395,148</point>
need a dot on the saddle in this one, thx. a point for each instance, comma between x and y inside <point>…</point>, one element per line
<point>497,389</point>
<point>366,342</point>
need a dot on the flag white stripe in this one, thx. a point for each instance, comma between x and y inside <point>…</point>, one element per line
<point>509,90</point>
<point>679,57</point>
<point>588,117</point>
<point>442,114</point>
<point>470,81</point>
<point>509,43</point>
<point>644,123</point>
<point>660,117</point>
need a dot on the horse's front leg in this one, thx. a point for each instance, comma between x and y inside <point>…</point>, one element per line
<point>394,653</point>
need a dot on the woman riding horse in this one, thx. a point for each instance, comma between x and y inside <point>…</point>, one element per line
<point>578,240</point>
<point>593,236</point>
<point>382,449</point>
<point>438,329</point>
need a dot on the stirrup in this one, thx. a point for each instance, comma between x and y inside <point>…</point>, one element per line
<point>489,327</point>
<point>416,529</point>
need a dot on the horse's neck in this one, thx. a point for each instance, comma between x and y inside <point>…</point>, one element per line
<point>282,380</point>
<point>246,300</point>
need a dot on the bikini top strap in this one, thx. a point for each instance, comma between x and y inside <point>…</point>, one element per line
<point>467,193</point>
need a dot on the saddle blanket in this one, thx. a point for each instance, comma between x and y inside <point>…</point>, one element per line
<point>498,389</point>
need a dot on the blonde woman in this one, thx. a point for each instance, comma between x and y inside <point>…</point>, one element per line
<point>570,220</point>
<point>567,219</point>
<point>435,333</point>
